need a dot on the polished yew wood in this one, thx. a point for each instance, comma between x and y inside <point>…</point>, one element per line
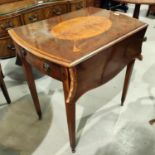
<point>60,51</point>
<point>99,58</point>
<point>14,13</point>
<point>3,87</point>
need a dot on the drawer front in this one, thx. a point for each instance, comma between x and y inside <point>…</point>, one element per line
<point>78,4</point>
<point>7,48</point>
<point>56,10</point>
<point>33,16</point>
<point>43,66</point>
<point>8,23</point>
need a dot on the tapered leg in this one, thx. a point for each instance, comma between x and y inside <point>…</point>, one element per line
<point>18,61</point>
<point>152,121</point>
<point>70,113</point>
<point>5,92</point>
<point>127,80</point>
<point>31,83</point>
<point>3,87</point>
<point>136,11</point>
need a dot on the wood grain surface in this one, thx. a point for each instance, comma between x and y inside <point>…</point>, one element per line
<point>37,38</point>
<point>81,28</point>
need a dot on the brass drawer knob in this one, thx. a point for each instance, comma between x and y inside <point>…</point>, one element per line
<point>7,25</point>
<point>46,67</point>
<point>23,53</point>
<point>33,18</point>
<point>57,11</point>
<point>11,47</point>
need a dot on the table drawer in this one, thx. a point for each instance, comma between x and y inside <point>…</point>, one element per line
<point>33,16</point>
<point>8,23</point>
<point>78,4</point>
<point>56,10</point>
<point>44,66</point>
<point>7,48</point>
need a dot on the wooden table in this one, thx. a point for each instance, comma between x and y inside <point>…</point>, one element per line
<point>137,5</point>
<point>83,54</point>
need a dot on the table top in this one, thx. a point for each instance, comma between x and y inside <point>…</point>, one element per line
<point>137,1</point>
<point>38,38</point>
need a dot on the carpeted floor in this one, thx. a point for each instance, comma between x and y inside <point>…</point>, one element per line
<point>103,127</point>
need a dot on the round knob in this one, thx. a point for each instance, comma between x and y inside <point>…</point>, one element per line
<point>46,67</point>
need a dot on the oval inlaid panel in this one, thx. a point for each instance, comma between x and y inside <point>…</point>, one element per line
<point>81,27</point>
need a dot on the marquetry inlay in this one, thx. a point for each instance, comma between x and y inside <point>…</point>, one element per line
<point>81,28</point>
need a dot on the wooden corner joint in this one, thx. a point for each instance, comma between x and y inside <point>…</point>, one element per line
<point>73,85</point>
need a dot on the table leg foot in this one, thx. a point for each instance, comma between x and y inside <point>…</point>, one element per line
<point>70,113</point>
<point>73,149</point>
<point>40,115</point>
<point>145,39</point>
<point>152,121</point>
<point>122,100</point>
<point>127,81</point>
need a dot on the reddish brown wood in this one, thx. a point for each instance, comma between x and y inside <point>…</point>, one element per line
<point>30,80</point>
<point>3,87</point>
<point>152,121</point>
<point>127,80</point>
<point>80,71</point>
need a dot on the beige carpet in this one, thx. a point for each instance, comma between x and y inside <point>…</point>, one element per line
<point>20,128</point>
<point>103,127</point>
